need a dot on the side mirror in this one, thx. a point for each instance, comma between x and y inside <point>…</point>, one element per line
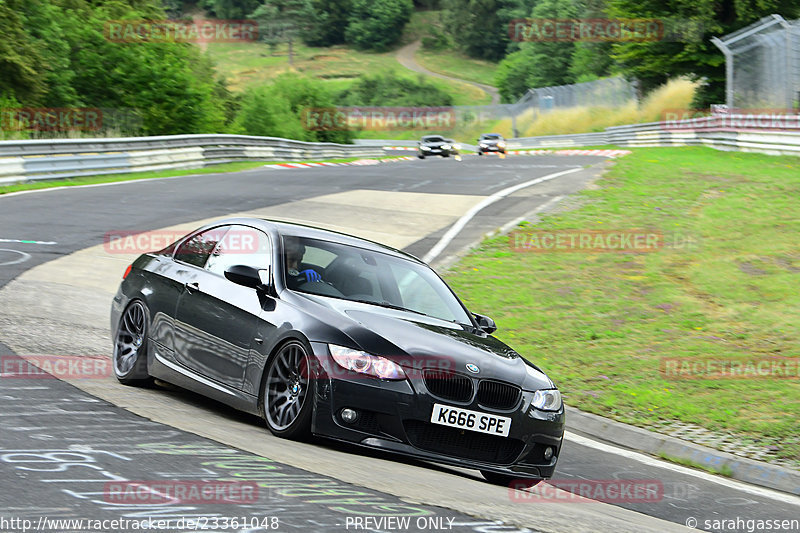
<point>249,277</point>
<point>485,323</point>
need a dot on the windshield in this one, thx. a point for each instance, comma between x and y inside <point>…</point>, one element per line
<point>432,139</point>
<point>491,136</point>
<point>356,274</point>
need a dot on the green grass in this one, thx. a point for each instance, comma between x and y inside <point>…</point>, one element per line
<point>601,323</point>
<point>112,178</point>
<point>451,63</point>
<point>249,64</point>
<point>725,470</point>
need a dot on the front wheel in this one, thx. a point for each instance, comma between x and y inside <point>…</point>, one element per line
<point>480,152</point>
<point>130,346</point>
<point>421,156</point>
<point>509,481</point>
<point>286,392</point>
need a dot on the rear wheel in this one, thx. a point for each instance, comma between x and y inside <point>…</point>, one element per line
<point>513,482</point>
<point>286,392</point>
<point>130,346</point>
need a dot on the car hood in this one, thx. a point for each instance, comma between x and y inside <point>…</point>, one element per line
<point>415,341</point>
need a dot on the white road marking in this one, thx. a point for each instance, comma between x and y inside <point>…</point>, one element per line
<point>489,200</point>
<point>106,184</point>
<point>542,207</point>
<point>23,241</point>
<point>705,476</point>
<point>22,259</point>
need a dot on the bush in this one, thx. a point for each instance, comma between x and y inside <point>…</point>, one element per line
<point>277,110</point>
<point>388,89</point>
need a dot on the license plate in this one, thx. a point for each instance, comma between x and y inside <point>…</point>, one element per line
<point>455,417</point>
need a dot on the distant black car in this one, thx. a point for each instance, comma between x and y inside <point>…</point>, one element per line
<point>491,142</point>
<point>326,334</point>
<point>436,145</point>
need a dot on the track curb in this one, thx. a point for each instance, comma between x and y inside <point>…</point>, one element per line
<point>635,438</point>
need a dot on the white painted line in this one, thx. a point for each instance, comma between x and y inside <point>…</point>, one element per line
<point>705,476</point>
<point>23,241</point>
<point>106,184</point>
<point>24,257</point>
<point>461,222</point>
<point>542,207</point>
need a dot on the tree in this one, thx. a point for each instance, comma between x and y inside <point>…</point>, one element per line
<point>693,55</point>
<point>282,20</point>
<point>230,9</point>
<point>480,27</point>
<point>377,24</point>
<point>327,22</point>
<point>536,63</point>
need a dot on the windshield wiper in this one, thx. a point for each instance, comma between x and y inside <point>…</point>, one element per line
<point>390,305</point>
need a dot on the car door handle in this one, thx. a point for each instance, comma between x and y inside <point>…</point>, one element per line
<point>193,286</point>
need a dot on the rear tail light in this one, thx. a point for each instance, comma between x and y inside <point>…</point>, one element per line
<point>127,271</point>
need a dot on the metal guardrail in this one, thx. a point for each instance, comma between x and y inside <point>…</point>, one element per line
<point>66,158</point>
<point>69,158</point>
<point>776,134</point>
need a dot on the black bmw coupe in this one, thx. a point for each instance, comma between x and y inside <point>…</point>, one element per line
<point>326,334</point>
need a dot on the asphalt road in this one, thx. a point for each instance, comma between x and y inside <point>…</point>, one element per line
<point>46,419</point>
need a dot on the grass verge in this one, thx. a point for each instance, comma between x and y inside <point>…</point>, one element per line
<point>725,470</point>
<point>604,325</point>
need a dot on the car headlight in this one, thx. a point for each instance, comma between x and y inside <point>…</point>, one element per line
<point>457,146</point>
<point>501,144</point>
<point>547,399</point>
<point>483,145</point>
<point>425,147</point>
<point>445,147</point>
<point>364,363</point>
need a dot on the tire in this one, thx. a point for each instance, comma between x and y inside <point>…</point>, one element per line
<point>286,393</point>
<point>509,481</point>
<point>480,152</point>
<point>130,346</point>
<point>421,156</point>
<point>445,155</point>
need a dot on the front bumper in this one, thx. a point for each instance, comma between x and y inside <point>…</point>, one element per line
<point>395,416</point>
<point>491,148</point>
<point>436,151</point>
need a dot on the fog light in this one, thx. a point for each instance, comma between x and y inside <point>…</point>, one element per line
<point>548,453</point>
<point>350,416</point>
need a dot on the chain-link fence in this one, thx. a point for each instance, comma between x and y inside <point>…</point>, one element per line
<point>762,64</point>
<point>612,92</point>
